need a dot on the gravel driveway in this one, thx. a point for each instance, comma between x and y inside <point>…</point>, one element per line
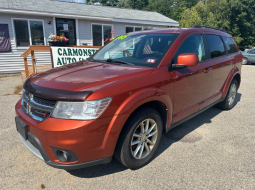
<point>214,150</point>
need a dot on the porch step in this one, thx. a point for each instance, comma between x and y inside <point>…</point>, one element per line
<point>40,69</point>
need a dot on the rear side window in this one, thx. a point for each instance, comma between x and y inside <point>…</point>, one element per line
<point>230,44</point>
<point>252,51</point>
<point>216,46</point>
<point>193,44</point>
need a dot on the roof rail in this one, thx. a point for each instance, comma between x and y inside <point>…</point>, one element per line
<point>200,26</point>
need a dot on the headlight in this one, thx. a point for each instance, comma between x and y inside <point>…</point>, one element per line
<point>87,110</point>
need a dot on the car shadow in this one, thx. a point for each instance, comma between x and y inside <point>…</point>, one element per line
<point>167,140</point>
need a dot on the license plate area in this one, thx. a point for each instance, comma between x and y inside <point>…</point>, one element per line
<point>21,127</point>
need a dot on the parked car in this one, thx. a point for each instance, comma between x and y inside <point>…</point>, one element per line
<point>249,49</point>
<point>121,100</point>
<point>248,56</point>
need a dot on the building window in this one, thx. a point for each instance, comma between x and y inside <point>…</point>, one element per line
<point>36,30</point>
<point>133,28</point>
<point>21,31</point>
<point>100,33</point>
<point>28,32</point>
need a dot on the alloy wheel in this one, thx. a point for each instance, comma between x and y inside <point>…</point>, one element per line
<point>144,138</point>
<point>232,94</point>
<point>244,61</point>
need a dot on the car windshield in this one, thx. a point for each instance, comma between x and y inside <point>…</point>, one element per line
<point>144,49</point>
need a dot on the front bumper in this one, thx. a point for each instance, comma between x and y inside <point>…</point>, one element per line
<point>92,141</point>
<point>34,145</point>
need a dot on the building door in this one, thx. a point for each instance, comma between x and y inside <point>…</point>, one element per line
<point>66,27</point>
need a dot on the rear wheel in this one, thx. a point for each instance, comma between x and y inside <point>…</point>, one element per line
<point>230,99</point>
<point>139,138</point>
<point>245,61</point>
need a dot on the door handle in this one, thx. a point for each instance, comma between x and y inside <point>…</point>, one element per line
<point>206,70</point>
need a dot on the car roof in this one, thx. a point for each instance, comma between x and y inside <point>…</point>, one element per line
<point>185,30</point>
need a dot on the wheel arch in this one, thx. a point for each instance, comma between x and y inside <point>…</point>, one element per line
<point>151,97</point>
<point>157,105</point>
<point>234,74</point>
<point>238,78</point>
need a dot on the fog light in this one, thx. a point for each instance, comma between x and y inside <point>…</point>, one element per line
<point>63,156</point>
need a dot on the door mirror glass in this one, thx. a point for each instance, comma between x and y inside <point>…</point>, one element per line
<point>187,59</point>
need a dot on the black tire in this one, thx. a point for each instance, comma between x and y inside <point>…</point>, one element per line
<point>226,104</point>
<point>245,61</point>
<point>124,151</point>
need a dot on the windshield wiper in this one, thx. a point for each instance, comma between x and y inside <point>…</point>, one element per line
<point>118,61</point>
<point>90,59</point>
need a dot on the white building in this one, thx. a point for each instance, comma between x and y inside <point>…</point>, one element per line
<point>30,22</point>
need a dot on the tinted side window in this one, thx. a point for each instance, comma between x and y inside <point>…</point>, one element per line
<point>231,47</point>
<point>193,44</point>
<point>252,51</point>
<point>216,46</point>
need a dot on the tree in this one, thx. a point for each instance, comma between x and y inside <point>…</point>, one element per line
<point>237,17</point>
<point>125,4</point>
<point>198,15</point>
<point>112,3</point>
<point>133,4</point>
<point>242,21</point>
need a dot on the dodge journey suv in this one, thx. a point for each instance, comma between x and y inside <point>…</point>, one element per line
<point>122,99</point>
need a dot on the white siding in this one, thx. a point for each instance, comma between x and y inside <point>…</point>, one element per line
<point>13,63</point>
<point>85,31</point>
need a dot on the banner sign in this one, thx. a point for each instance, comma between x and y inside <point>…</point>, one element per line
<point>5,42</point>
<point>66,55</point>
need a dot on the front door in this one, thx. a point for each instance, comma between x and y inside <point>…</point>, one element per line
<point>66,27</point>
<point>192,84</point>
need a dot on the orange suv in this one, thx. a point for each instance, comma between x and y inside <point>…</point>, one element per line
<point>122,99</point>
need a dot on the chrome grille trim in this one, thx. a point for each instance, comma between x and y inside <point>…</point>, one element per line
<point>40,106</point>
<point>34,109</point>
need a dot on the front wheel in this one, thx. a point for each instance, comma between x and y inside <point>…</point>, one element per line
<point>230,99</point>
<point>139,138</point>
<point>245,61</point>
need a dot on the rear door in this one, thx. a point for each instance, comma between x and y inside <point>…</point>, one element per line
<point>192,84</point>
<point>221,62</point>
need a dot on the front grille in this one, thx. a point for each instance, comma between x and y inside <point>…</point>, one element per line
<point>36,107</point>
<point>44,101</point>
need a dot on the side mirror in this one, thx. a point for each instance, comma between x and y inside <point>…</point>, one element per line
<point>186,60</point>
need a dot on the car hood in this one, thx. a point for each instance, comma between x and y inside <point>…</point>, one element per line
<point>82,76</point>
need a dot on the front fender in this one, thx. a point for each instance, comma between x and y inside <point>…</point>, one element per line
<point>143,96</point>
<point>230,77</point>
<point>134,101</point>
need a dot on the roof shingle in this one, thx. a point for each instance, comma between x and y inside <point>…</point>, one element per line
<point>67,8</point>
